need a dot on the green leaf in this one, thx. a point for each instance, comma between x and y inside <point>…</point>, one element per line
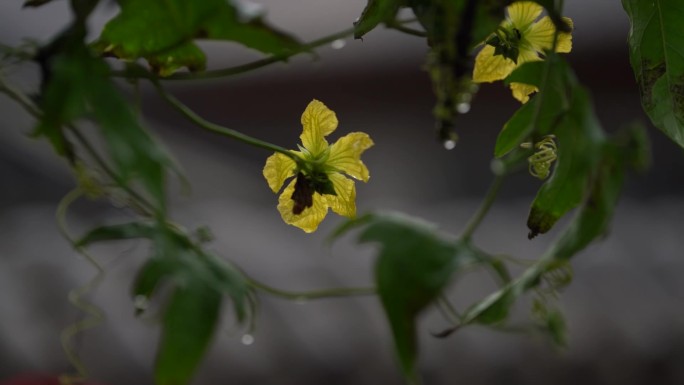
<point>579,140</point>
<point>190,321</point>
<point>414,265</point>
<point>376,12</point>
<point>118,232</point>
<point>540,115</point>
<point>162,32</point>
<point>657,56</point>
<point>153,272</point>
<point>199,281</point>
<point>76,85</point>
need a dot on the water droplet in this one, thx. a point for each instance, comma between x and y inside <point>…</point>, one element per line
<point>449,144</point>
<point>338,44</point>
<point>463,107</point>
<point>498,167</point>
<point>140,302</point>
<point>247,339</point>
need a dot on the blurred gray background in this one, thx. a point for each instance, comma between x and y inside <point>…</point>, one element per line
<point>624,310</point>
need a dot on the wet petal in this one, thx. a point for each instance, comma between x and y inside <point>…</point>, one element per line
<point>344,203</point>
<point>318,121</point>
<point>309,219</point>
<point>490,68</point>
<point>523,13</point>
<point>278,168</point>
<point>345,155</point>
<point>522,91</point>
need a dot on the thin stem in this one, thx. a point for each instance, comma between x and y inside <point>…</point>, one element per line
<point>315,294</point>
<point>484,208</point>
<point>230,71</point>
<point>20,98</point>
<point>143,205</point>
<point>407,30</point>
<point>95,315</point>
<point>213,127</point>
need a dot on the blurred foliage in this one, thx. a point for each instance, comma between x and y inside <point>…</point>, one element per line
<point>556,135</point>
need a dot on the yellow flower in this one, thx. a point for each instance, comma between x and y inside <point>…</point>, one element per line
<point>320,171</point>
<point>521,38</point>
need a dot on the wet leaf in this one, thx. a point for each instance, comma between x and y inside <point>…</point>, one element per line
<point>657,56</point>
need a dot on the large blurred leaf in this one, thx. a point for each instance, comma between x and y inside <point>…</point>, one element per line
<point>190,321</point>
<point>76,85</point>
<point>656,52</point>
<point>162,31</point>
<point>414,265</point>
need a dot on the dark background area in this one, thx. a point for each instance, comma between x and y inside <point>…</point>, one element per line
<point>624,309</point>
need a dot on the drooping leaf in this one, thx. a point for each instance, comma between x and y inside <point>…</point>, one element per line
<point>199,281</point>
<point>562,109</point>
<point>163,31</point>
<point>657,56</point>
<point>579,138</point>
<point>190,321</point>
<point>376,12</point>
<point>413,266</point>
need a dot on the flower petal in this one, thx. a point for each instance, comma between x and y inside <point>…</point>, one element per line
<point>309,219</point>
<point>564,43</point>
<point>318,121</point>
<point>523,13</point>
<point>278,168</point>
<point>490,68</point>
<point>345,155</point>
<point>540,36</point>
<point>522,91</point>
<point>344,203</point>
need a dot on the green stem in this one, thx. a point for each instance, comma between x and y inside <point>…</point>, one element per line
<point>315,294</point>
<point>213,127</point>
<point>230,71</point>
<point>407,30</point>
<point>484,208</point>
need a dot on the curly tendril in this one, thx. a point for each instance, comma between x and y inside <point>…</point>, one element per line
<point>541,161</point>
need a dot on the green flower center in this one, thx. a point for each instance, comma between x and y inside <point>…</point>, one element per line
<point>506,43</point>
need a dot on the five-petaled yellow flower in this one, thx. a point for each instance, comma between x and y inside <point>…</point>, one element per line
<point>320,172</point>
<point>521,38</point>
